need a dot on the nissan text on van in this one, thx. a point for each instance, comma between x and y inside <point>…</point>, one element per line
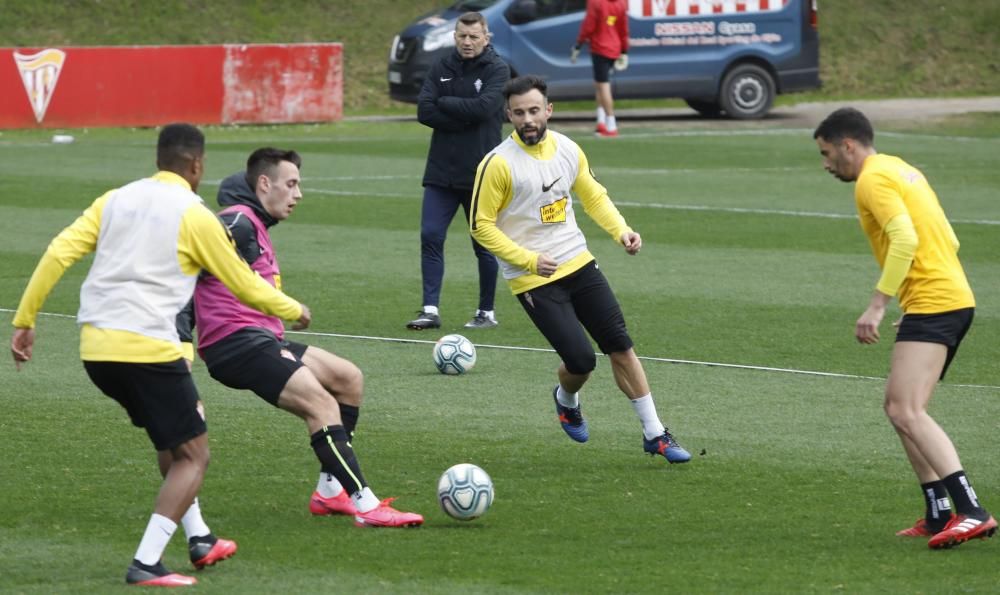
<point>726,57</point>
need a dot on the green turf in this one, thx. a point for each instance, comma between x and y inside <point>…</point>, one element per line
<point>802,482</point>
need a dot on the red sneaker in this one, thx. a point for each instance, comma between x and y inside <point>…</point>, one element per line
<point>607,133</point>
<point>601,128</point>
<point>962,528</point>
<point>157,575</point>
<point>207,550</point>
<point>919,529</point>
<point>384,515</point>
<point>342,503</point>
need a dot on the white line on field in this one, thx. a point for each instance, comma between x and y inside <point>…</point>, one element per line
<point>806,132</point>
<point>633,171</point>
<point>545,350</point>
<point>414,194</point>
<point>748,132</point>
<point>349,178</point>
<point>656,205</point>
<point>647,358</point>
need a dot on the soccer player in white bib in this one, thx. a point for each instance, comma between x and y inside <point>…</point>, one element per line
<point>522,211</point>
<point>152,238</point>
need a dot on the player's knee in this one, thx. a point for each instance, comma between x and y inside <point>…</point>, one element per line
<point>432,238</point>
<point>320,404</point>
<point>354,384</point>
<point>580,363</point>
<point>193,452</point>
<point>901,415</point>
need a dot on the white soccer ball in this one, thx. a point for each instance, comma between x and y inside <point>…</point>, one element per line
<point>454,354</point>
<point>465,492</point>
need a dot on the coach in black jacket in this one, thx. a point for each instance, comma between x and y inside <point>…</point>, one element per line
<point>462,100</point>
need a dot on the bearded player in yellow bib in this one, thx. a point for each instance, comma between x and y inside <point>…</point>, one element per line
<point>522,211</point>
<point>918,252</point>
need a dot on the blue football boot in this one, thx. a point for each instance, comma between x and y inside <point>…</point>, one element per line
<point>665,445</point>
<point>571,420</point>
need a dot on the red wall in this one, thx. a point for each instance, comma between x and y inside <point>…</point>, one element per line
<point>154,85</point>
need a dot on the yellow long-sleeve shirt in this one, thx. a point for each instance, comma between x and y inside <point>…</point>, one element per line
<point>522,206</point>
<point>136,283</point>
<point>894,199</point>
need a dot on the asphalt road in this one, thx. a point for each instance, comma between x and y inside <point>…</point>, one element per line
<point>811,114</point>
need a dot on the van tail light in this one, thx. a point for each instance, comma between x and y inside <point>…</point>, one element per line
<point>814,15</point>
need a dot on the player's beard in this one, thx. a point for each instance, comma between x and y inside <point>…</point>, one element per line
<point>539,135</point>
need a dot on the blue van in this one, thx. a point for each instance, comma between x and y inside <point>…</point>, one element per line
<point>721,56</point>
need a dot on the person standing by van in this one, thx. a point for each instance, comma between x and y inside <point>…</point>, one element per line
<point>606,28</point>
<point>462,100</point>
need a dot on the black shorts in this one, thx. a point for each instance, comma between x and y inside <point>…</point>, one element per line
<point>603,66</point>
<point>160,398</point>
<point>584,298</point>
<point>945,328</point>
<point>254,359</point>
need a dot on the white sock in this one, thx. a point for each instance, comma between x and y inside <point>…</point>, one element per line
<point>365,500</point>
<point>194,525</point>
<point>431,309</point>
<point>646,410</point>
<point>158,533</point>
<point>602,116</point>
<point>328,486</point>
<point>488,314</point>
<point>612,124</point>
<point>567,399</point>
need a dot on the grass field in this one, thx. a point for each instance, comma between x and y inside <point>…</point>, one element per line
<point>751,258</point>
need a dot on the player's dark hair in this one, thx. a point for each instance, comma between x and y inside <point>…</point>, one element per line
<point>523,84</point>
<point>265,161</point>
<point>471,18</point>
<point>846,122</point>
<point>178,145</point>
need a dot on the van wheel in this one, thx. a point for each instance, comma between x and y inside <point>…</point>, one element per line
<point>747,92</point>
<point>708,109</point>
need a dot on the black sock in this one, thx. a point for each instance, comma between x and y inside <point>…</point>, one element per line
<point>938,510</point>
<point>337,457</point>
<point>962,495</point>
<point>349,415</point>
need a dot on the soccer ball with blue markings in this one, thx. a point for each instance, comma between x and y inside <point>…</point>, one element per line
<point>454,354</point>
<point>465,492</point>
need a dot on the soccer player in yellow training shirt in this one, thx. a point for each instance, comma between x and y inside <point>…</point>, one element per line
<point>151,239</point>
<point>918,252</point>
<point>522,211</point>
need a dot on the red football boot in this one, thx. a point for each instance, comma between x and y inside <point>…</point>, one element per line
<point>384,515</point>
<point>342,503</point>
<point>209,549</point>
<point>962,528</point>
<point>157,575</point>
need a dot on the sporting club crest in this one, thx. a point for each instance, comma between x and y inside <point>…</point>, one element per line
<point>40,73</point>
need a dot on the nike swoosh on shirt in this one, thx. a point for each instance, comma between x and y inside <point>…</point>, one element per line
<point>445,80</point>
<point>549,187</point>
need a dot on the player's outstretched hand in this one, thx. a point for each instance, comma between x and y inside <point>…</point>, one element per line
<point>632,242</point>
<point>546,265</point>
<point>21,345</point>
<point>304,320</point>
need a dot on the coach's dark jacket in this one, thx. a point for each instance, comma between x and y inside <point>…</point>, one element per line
<point>462,100</point>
